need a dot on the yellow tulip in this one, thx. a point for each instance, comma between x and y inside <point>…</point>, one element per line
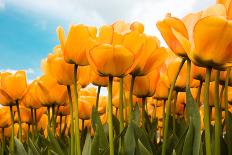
<point>228,5</point>
<point>30,99</point>
<point>111,60</point>
<point>9,93</point>
<point>55,66</point>
<point>5,116</point>
<point>181,80</point>
<point>144,86</point>
<point>50,92</point>
<point>194,28</point>
<point>64,110</point>
<point>25,115</point>
<point>84,76</point>
<point>76,44</point>
<point>162,88</point>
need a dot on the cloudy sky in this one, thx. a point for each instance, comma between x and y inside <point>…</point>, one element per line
<point>27,27</point>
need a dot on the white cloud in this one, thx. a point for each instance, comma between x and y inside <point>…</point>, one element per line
<point>29,71</point>
<point>2,4</point>
<point>98,12</point>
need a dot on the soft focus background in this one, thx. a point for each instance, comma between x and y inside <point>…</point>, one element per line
<point>28,27</point>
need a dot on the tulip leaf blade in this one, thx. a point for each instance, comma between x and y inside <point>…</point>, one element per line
<point>193,114</point>
<point>100,142</point>
<point>188,143</point>
<point>19,148</point>
<point>142,149</point>
<point>129,140</point>
<point>33,148</point>
<point>55,146</point>
<point>87,145</point>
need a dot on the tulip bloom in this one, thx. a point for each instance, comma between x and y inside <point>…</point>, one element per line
<point>50,92</point>
<point>5,116</point>
<point>8,92</point>
<point>75,45</point>
<point>30,99</point>
<point>55,66</point>
<point>190,32</point>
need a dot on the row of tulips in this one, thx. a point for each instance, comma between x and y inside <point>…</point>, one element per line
<point>160,100</point>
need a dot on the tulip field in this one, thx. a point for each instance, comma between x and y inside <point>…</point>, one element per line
<point>171,99</point>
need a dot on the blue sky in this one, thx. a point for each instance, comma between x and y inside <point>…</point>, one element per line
<point>27,27</point>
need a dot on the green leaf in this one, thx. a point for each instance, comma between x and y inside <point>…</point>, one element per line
<point>33,148</point>
<point>129,140</point>
<point>55,147</point>
<point>116,125</point>
<point>188,143</point>
<point>19,149</point>
<point>87,146</point>
<point>194,114</point>
<point>142,149</point>
<point>141,134</point>
<point>135,115</point>
<point>100,142</point>
<point>179,146</point>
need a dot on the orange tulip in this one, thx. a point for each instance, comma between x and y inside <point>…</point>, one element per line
<point>5,116</point>
<point>64,110</point>
<point>172,69</point>
<point>84,76</point>
<point>162,88</point>
<point>200,72</point>
<point>207,53</point>
<point>115,50</point>
<point>25,115</point>
<point>76,44</point>
<point>144,86</point>
<point>50,92</point>
<point>30,99</point>
<point>88,91</point>
<point>150,57</point>
<point>9,93</point>
<point>228,6</point>
<point>55,66</point>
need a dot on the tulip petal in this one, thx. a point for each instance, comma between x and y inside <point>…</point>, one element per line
<point>111,60</point>
<point>166,28</point>
<point>61,36</point>
<point>212,38</point>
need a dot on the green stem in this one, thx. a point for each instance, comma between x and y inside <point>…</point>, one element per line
<point>206,112</point>
<point>60,125</point>
<point>164,145</point>
<point>12,129</point>
<point>217,115</point>
<point>28,132</point>
<point>131,94</point>
<point>110,122</point>
<point>83,125</point>
<point>72,122</point>
<point>49,121</point>
<point>155,108</point>
<point>19,121</point>
<point>3,141</point>
<point>98,94</point>
<point>199,94</point>
<point>121,117</point>
<point>143,111</point>
<point>226,110</point>
<point>78,144</point>
<point>174,113</point>
<point>53,121</point>
<point>33,124</point>
<point>221,94</point>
